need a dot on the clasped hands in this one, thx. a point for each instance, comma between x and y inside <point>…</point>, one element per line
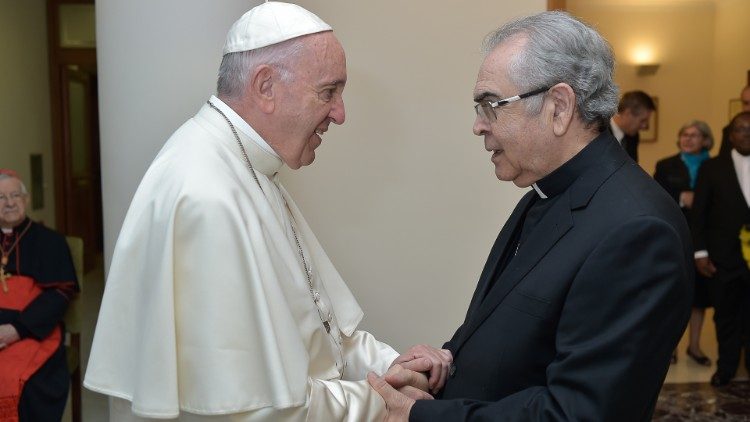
<point>412,376</point>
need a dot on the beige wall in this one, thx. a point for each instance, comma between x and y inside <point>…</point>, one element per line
<point>697,43</point>
<point>403,196</point>
<point>731,58</point>
<point>24,87</point>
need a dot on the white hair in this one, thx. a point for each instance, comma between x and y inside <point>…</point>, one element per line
<point>236,67</point>
<point>562,49</point>
<point>4,176</point>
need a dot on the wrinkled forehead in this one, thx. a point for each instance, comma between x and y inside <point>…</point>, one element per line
<point>497,65</point>
<point>323,57</point>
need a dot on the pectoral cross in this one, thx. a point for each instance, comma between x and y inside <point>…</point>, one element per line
<point>3,277</point>
<point>322,310</point>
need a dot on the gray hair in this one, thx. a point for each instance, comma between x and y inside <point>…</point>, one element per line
<point>561,48</point>
<point>236,67</point>
<point>703,128</point>
<point>4,176</point>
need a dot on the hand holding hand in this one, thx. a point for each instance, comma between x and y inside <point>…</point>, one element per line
<point>440,363</point>
<point>410,382</point>
<point>397,404</point>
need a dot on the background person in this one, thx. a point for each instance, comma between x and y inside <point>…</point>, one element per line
<point>677,175</point>
<point>633,114</point>
<point>726,145</point>
<point>37,281</point>
<point>720,212</point>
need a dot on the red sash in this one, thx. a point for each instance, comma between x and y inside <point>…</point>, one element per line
<point>20,360</point>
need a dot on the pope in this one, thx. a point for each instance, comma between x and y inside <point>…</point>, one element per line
<point>220,304</point>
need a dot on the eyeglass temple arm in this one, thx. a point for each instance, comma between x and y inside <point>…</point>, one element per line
<point>535,92</point>
<point>520,97</point>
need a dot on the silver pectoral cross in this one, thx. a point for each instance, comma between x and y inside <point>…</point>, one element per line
<point>323,310</point>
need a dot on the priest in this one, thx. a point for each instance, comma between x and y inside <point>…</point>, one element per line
<point>220,303</point>
<point>37,280</point>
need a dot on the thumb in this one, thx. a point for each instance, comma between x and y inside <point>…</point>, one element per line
<point>381,386</point>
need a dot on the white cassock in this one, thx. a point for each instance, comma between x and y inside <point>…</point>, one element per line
<point>207,313</point>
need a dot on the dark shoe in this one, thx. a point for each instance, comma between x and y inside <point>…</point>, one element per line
<point>719,381</point>
<point>700,360</point>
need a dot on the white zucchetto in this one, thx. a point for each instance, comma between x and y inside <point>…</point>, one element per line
<point>271,23</point>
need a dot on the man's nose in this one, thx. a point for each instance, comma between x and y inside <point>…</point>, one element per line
<point>480,126</point>
<point>338,112</point>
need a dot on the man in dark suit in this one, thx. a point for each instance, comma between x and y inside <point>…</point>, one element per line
<point>588,287</point>
<point>720,210</point>
<point>726,146</point>
<point>633,113</point>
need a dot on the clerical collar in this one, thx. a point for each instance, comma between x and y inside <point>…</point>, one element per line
<point>242,125</point>
<point>17,228</point>
<point>562,177</point>
<point>262,161</point>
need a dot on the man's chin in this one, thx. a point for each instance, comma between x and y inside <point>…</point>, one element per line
<point>10,222</point>
<point>306,161</point>
<point>502,176</point>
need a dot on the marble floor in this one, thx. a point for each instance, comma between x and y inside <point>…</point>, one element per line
<point>700,402</point>
<point>686,370</point>
<point>686,391</point>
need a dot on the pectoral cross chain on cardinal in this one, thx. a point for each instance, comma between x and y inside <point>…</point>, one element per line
<point>3,277</point>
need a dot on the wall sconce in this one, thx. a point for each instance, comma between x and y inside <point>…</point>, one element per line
<point>647,69</point>
<point>643,56</point>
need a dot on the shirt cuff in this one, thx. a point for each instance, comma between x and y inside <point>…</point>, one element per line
<point>701,254</point>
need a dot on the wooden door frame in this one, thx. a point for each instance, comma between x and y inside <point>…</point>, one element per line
<point>60,57</point>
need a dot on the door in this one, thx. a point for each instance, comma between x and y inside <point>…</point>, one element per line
<point>75,123</point>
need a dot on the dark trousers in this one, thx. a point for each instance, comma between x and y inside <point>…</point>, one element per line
<point>730,294</point>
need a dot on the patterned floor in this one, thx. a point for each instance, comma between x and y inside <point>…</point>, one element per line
<point>700,402</point>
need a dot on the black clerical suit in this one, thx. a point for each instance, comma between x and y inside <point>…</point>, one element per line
<point>582,300</point>
<point>719,211</point>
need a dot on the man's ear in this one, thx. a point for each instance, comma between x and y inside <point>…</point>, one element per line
<point>261,88</point>
<point>563,107</point>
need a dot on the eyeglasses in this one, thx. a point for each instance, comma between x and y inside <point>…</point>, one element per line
<point>13,197</point>
<point>486,109</point>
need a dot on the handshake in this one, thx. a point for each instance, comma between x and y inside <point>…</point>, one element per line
<point>415,375</point>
